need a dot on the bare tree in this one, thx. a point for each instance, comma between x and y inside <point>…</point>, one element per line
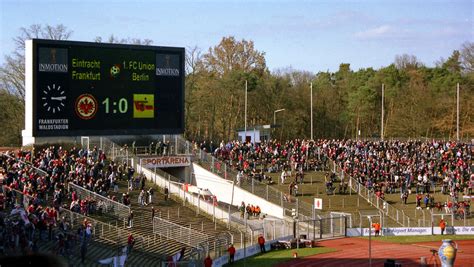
<point>112,39</point>
<point>467,57</point>
<point>405,62</point>
<point>12,72</point>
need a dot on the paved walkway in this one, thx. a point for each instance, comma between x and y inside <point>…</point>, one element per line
<point>354,252</point>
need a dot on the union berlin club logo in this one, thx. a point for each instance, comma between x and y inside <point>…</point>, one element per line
<point>86,106</point>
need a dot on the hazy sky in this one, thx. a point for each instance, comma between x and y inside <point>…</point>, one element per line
<point>306,35</point>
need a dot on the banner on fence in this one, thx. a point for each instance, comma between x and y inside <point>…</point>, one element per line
<point>166,162</point>
<point>407,231</point>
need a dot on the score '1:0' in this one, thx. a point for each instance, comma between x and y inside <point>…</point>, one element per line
<point>122,105</point>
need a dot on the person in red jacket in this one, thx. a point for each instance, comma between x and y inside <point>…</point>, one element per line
<point>442,226</point>
<point>231,251</point>
<point>130,243</point>
<point>208,261</point>
<point>261,242</point>
<point>377,228</point>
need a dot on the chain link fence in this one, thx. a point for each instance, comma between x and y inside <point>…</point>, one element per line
<point>383,206</point>
<point>322,228</point>
<point>206,244</point>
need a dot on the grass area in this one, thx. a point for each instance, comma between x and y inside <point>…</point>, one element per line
<point>314,186</point>
<point>423,238</point>
<point>275,257</point>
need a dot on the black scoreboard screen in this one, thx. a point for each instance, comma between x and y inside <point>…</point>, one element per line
<point>106,89</point>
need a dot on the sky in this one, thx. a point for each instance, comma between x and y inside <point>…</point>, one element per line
<point>303,35</point>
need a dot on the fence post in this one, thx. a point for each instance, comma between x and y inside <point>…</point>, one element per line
<point>281,202</point>
<point>345,226</point>
<point>184,196</point>
<point>189,242</point>
<point>320,228</point>
<point>198,203</point>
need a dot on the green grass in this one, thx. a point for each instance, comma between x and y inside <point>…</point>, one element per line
<point>273,258</point>
<point>423,238</point>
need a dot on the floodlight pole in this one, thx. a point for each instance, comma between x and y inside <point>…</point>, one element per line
<point>274,116</point>
<point>370,240</point>
<point>245,130</point>
<point>381,128</point>
<point>311,110</point>
<point>457,111</point>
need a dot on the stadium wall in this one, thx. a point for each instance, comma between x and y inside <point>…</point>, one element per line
<point>222,189</point>
<point>407,231</point>
<point>176,188</point>
<point>249,251</point>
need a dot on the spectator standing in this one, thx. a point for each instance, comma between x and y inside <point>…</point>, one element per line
<point>426,200</point>
<point>141,198</point>
<point>166,192</point>
<point>283,176</point>
<point>242,209</point>
<point>208,261</point>
<point>239,177</point>
<point>405,197</point>
<point>418,201</point>
<point>442,226</point>
<point>130,243</point>
<point>179,256</point>
<point>231,251</point>
<point>130,219</point>
<point>376,227</point>
<point>150,195</point>
<point>83,251</point>
<point>152,214</point>
<point>261,242</point>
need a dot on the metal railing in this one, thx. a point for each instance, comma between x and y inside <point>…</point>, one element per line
<point>261,189</point>
<point>19,197</point>
<point>383,206</point>
<point>36,169</point>
<point>185,235</point>
<point>117,234</point>
<point>105,204</point>
<point>215,245</point>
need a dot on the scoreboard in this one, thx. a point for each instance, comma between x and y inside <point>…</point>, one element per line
<point>80,88</point>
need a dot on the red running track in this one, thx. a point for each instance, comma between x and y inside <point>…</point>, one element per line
<point>355,252</point>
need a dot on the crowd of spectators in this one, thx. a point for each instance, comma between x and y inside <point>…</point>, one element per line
<point>26,224</point>
<point>384,167</point>
<point>42,179</point>
<point>249,211</point>
<point>42,176</point>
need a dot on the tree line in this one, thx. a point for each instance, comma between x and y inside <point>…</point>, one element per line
<point>419,101</point>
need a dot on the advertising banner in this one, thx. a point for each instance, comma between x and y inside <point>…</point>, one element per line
<point>407,231</point>
<point>166,162</point>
